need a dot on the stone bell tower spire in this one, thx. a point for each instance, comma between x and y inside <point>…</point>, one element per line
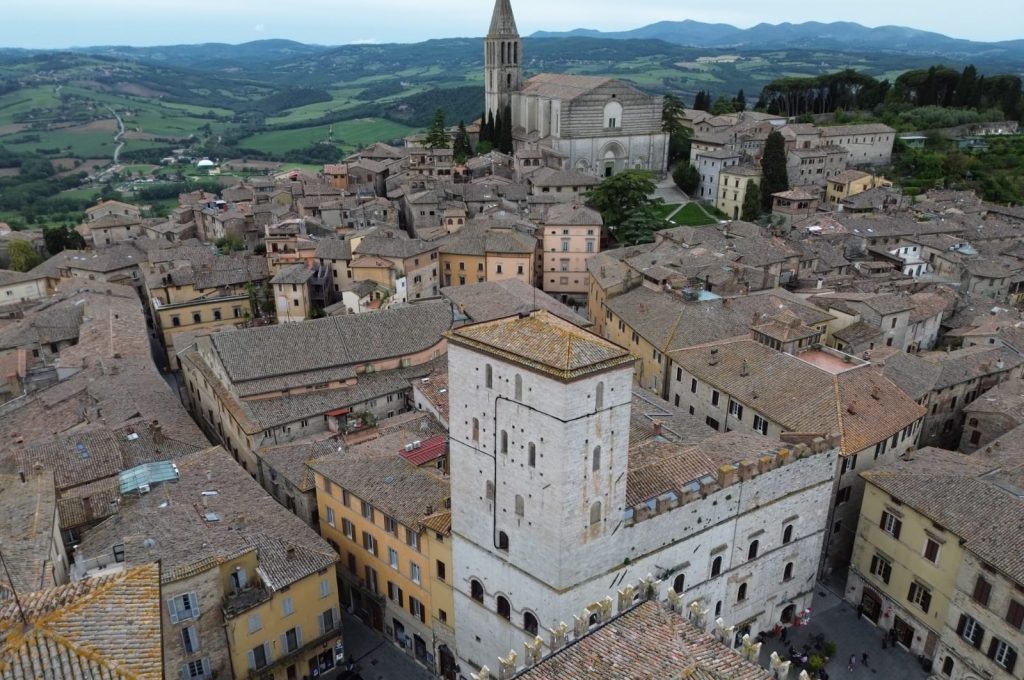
<point>503,52</point>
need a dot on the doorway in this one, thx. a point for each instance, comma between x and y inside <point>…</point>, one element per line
<point>872,605</point>
<point>788,613</point>
<point>904,632</point>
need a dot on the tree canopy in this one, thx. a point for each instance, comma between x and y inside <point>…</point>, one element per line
<point>624,201</point>
<point>437,135</point>
<point>751,210</point>
<point>22,256</point>
<point>773,169</point>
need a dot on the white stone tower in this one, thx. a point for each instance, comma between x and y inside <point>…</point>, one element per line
<point>539,436</point>
<point>503,52</point>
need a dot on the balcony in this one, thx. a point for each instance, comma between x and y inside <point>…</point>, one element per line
<point>245,599</point>
<point>318,644</point>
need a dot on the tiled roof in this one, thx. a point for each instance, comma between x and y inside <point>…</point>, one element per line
<point>1006,398</point>
<point>289,460</point>
<point>859,404</point>
<point>543,342</point>
<point>550,177</point>
<point>564,214</point>
<point>242,518</point>
<point>332,342</point>
<point>497,299</point>
<point>860,129</point>
<point>391,484</point>
<point>96,629</point>
<point>428,450</point>
<point>395,432</point>
<point>27,516</point>
<point>333,249</point>
<point>441,522</point>
<point>651,417</point>
<point>847,176</point>
<point>858,333</point>
<point>658,466</point>
<point>434,389</point>
<point>296,274</point>
<point>964,494</point>
<point>648,641</point>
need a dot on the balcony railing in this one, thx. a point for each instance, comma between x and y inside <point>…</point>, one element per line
<point>245,599</point>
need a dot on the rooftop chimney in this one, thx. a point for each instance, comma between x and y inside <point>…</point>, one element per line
<point>743,369</point>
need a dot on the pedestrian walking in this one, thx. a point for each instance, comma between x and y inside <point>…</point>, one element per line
<point>853,662</point>
<point>864,659</point>
<point>784,634</point>
<point>885,640</point>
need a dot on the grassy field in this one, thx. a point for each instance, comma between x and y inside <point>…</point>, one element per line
<point>692,215</point>
<point>349,134</point>
<point>664,210</point>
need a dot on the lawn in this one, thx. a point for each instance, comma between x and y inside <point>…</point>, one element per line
<point>665,209</point>
<point>692,215</point>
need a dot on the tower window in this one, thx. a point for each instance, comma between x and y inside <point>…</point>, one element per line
<point>596,463</point>
<point>504,608</point>
<point>530,623</point>
<point>741,594</point>
<point>476,430</point>
<point>716,566</point>
<point>531,454</point>
<point>504,441</point>
<point>679,583</point>
<point>599,396</point>
<point>520,506</point>
<point>488,376</point>
<point>502,540</point>
<point>476,590</point>
<point>519,387</point>
<point>752,550</point>
<point>595,513</point>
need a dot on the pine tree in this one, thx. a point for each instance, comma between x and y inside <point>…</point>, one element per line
<point>437,136</point>
<point>773,169</point>
<point>751,209</point>
<point>740,102</point>
<point>462,149</point>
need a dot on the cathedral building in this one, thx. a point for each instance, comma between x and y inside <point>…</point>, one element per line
<point>600,125</point>
<point>568,487</point>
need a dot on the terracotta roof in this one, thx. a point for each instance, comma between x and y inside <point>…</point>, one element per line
<point>332,342</point>
<point>566,214</point>
<point>103,629</point>
<point>441,522</point>
<point>289,460</point>
<point>1006,398</point>
<point>492,300</point>
<point>391,484</point>
<point>859,404</point>
<point>190,530</point>
<point>543,342</point>
<point>847,176</point>
<point>648,641</point>
<point>27,516</point>
<point>964,494</point>
<point>428,450</point>
<point>434,389</point>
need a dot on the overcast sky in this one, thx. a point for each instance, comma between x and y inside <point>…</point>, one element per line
<point>63,23</point>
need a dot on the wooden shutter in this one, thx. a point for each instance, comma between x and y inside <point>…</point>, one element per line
<point>193,638</point>
<point>1015,614</point>
<point>1011,660</point>
<point>979,635</point>
<point>982,590</point>
<point>172,610</point>
<point>961,624</point>
<point>897,526</point>
<point>252,660</point>
<point>320,620</point>
<point>184,671</point>
<point>926,599</point>
<point>992,645</point>
<point>298,637</point>
<point>194,601</point>
<point>269,652</point>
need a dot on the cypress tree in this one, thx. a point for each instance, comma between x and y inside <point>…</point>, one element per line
<point>505,140</point>
<point>773,169</point>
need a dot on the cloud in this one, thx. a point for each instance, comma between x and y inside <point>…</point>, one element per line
<point>364,41</point>
<point>259,28</point>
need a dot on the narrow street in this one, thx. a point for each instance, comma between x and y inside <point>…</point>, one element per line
<point>376,657</point>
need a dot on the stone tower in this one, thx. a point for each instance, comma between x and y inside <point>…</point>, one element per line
<point>503,52</point>
<point>540,422</point>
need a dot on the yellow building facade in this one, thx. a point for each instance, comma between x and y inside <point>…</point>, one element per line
<point>395,548</point>
<point>732,188</point>
<point>851,183</point>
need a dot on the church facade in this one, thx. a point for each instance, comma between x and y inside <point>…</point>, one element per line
<point>601,126</point>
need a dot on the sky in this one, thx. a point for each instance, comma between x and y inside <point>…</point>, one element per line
<point>65,23</point>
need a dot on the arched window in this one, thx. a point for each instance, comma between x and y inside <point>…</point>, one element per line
<point>508,80</point>
<point>520,505</point>
<point>787,534</point>
<point>489,490</point>
<point>476,590</point>
<point>718,608</point>
<point>599,396</point>
<point>515,53</point>
<point>530,623</point>
<point>741,594</point>
<point>531,454</point>
<point>679,583</point>
<point>476,430</point>
<point>502,540</point>
<point>595,464</point>
<point>947,666</point>
<point>504,441</point>
<point>613,115</point>
<point>787,574</point>
<point>716,566</point>
<point>488,376</point>
<point>595,513</point>
<point>519,387</point>
<point>504,608</point>
<point>752,550</point>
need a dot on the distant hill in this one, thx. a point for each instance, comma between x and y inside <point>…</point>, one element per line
<point>809,35</point>
<point>210,55</point>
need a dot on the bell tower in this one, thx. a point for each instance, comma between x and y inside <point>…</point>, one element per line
<point>503,53</point>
